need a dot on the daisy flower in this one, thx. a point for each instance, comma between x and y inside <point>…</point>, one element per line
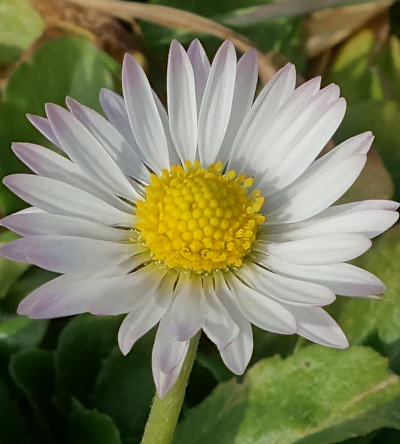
<point>213,215</point>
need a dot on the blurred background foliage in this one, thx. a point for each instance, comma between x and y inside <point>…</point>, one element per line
<point>65,381</point>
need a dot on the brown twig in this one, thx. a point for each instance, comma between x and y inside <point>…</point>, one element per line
<point>283,8</point>
<point>176,18</point>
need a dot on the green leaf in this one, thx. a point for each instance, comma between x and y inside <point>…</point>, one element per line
<point>125,387</point>
<point>269,344</point>
<point>20,26</point>
<point>19,332</point>
<point>12,427</point>
<point>281,34</point>
<point>65,66</point>
<point>10,271</point>
<point>387,436</point>
<point>361,439</point>
<point>351,69</point>
<point>265,345</point>
<point>387,66</point>
<point>33,278</point>
<point>382,118</point>
<point>213,363</point>
<point>374,182</point>
<point>91,426</point>
<point>33,373</point>
<point>86,340</point>
<point>363,319</point>
<point>316,396</point>
<point>370,80</point>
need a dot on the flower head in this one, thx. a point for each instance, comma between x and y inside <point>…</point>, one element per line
<point>214,216</point>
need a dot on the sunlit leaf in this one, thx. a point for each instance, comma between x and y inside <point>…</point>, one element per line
<point>374,182</point>
<point>382,118</point>
<point>361,319</point>
<point>66,66</point>
<point>351,69</point>
<point>317,395</point>
<point>20,26</point>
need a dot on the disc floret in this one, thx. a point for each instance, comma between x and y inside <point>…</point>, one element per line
<point>199,219</point>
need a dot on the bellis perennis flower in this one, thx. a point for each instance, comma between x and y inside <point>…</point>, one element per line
<point>214,216</point>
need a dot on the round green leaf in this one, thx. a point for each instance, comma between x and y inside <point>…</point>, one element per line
<point>86,340</point>
<point>125,387</point>
<point>65,66</point>
<point>91,427</point>
<point>12,427</point>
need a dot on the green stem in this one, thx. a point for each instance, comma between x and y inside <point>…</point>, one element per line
<point>164,412</point>
<point>301,342</point>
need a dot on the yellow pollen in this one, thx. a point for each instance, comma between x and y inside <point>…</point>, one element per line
<point>199,219</point>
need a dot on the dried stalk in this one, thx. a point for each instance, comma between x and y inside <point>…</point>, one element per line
<point>176,18</point>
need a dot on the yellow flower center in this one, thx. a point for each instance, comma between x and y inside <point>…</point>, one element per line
<point>199,219</point>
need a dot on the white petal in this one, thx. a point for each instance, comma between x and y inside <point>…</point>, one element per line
<point>369,223</point>
<point>70,294</point>
<point>261,310</point>
<point>60,198</point>
<point>112,141</point>
<point>237,354</point>
<point>28,223</point>
<point>114,108</point>
<point>362,205</point>
<point>47,163</point>
<point>53,300</point>
<point>173,155</point>
<point>245,86</point>
<point>284,289</point>
<point>359,144</point>
<point>182,102</point>
<point>286,128</point>
<point>219,325</point>
<point>189,309</point>
<point>143,319</point>
<point>216,105</point>
<point>318,250</point>
<point>201,68</point>
<point>268,102</point>
<point>67,254</point>
<point>165,381</point>
<point>167,351</point>
<point>317,326</point>
<point>84,149</point>
<point>314,191</point>
<point>297,154</point>
<point>143,115</point>
<point>343,279</point>
<point>133,292</point>
<point>43,125</point>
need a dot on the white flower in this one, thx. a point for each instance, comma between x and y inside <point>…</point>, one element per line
<point>194,245</point>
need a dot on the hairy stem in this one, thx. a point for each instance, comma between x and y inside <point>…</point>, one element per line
<point>164,412</point>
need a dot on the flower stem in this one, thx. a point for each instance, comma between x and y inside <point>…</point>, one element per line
<point>164,412</point>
